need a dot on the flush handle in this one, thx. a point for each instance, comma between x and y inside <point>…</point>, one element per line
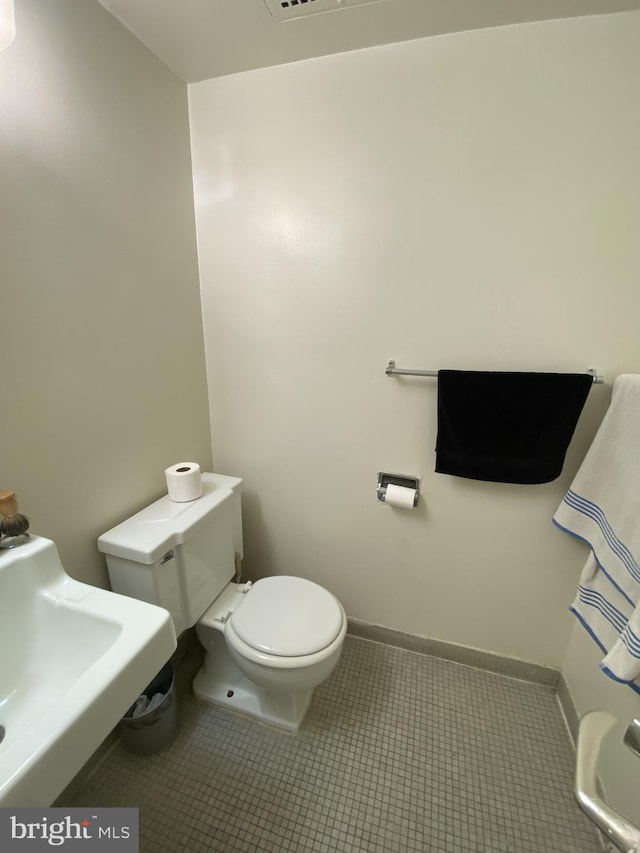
<point>168,556</point>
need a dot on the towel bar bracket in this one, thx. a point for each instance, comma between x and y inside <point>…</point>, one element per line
<point>593,372</point>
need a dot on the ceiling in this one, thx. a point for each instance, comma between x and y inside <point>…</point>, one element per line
<point>200,39</point>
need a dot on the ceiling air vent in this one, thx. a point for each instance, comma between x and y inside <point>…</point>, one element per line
<point>286,10</point>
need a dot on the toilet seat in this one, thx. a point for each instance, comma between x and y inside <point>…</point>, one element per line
<point>286,617</point>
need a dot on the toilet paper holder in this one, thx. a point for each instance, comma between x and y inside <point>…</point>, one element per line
<point>408,481</point>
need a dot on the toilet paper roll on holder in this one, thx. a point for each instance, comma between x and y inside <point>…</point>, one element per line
<point>408,481</point>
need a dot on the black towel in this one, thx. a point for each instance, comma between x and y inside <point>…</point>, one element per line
<point>507,427</point>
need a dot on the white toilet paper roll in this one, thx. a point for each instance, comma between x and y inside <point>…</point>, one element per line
<point>184,482</point>
<point>400,496</point>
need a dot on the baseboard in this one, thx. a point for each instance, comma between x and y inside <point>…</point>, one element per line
<point>512,667</point>
<point>568,708</point>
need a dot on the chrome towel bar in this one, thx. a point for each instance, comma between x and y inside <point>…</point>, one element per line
<point>392,370</point>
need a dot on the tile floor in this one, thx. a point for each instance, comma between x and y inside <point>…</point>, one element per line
<point>399,752</point>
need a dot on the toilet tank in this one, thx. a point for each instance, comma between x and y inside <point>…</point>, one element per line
<point>178,555</point>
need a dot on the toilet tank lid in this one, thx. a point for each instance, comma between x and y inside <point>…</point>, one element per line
<point>150,533</point>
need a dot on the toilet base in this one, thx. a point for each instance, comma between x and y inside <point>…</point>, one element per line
<point>220,682</point>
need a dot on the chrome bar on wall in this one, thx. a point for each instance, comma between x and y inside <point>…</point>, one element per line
<point>392,370</point>
<point>594,726</point>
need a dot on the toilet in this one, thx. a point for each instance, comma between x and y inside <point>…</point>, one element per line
<point>267,644</point>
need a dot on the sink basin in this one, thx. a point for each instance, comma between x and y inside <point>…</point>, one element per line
<point>73,658</point>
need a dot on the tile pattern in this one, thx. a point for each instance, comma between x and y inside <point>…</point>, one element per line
<point>399,752</point>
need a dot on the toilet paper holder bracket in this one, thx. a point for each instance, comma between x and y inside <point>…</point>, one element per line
<point>408,481</point>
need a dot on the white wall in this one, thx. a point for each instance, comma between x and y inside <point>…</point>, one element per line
<point>103,376</point>
<point>467,201</point>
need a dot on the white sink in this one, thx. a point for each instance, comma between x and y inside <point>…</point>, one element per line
<point>73,658</point>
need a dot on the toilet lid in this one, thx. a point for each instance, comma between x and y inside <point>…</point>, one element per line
<point>288,617</point>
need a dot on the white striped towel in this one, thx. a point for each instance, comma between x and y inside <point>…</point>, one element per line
<point>602,508</point>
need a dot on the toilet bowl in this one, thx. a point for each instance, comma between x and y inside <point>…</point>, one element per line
<point>267,644</point>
